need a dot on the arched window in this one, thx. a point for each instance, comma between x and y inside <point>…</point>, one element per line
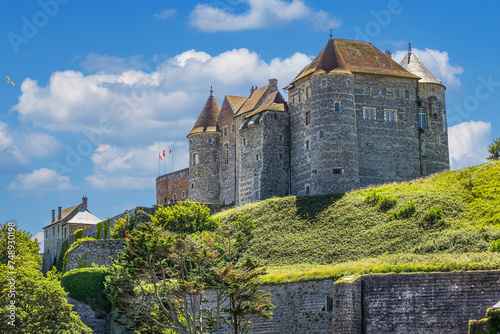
<point>196,160</point>
<point>308,190</point>
<point>183,194</point>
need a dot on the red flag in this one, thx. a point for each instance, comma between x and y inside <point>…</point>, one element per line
<point>163,152</point>
<point>170,151</point>
<point>159,155</point>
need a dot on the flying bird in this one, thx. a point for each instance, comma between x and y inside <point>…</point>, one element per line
<point>8,148</point>
<point>10,80</point>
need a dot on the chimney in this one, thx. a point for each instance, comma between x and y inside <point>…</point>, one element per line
<point>252,90</point>
<point>273,84</point>
<point>59,213</point>
<point>388,53</point>
<point>53,215</point>
<point>84,203</point>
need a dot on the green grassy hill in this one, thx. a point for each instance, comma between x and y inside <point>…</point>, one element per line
<point>443,222</point>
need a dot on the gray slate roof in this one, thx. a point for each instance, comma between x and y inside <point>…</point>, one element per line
<point>416,67</point>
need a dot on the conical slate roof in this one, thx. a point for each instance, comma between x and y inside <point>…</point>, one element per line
<point>351,56</point>
<point>416,67</point>
<point>207,121</point>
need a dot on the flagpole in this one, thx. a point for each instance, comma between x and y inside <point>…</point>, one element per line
<point>159,173</point>
<point>172,159</point>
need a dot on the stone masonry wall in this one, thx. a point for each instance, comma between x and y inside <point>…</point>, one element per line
<point>414,303</point>
<point>94,251</point>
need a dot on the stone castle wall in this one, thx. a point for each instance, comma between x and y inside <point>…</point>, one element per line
<point>172,186</point>
<point>204,183</point>
<point>94,251</point>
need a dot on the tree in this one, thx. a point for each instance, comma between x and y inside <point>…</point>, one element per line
<point>158,282</point>
<point>30,302</point>
<point>494,150</point>
<point>184,217</point>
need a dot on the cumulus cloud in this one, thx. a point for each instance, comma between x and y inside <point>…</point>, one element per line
<point>134,168</point>
<point>468,143</point>
<point>40,237</point>
<point>438,62</point>
<point>40,180</point>
<point>40,145</point>
<point>165,14</point>
<point>260,14</point>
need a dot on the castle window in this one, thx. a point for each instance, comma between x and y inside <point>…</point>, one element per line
<point>196,160</point>
<point>244,141</point>
<point>369,113</point>
<point>232,128</point>
<point>192,186</point>
<point>308,190</point>
<point>422,118</point>
<point>390,115</point>
<point>382,92</point>
<point>183,194</point>
<point>337,106</point>
<point>281,138</point>
<point>323,83</point>
<point>65,230</point>
<point>225,131</point>
<point>444,120</point>
<point>396,93</point>
<point>226,155</point>
<point>308,144</point>
<point>281,155</point>
<point>308,118</point>
<point>348,83</point>
<point>175,197</point>
<point>367,90</point>
<point>275,115</point>
<point>210,140</point>
<point>329,303</point>
<point>165,200</point>
<point>407,94</point>
<point>337,171</point>
<point>257,156</point>
<point>321,134</point>
<point>300,95</point>
<point>46,233</point>
<point>307,92</point>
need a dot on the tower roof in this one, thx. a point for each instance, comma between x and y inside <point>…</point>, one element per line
<point>351,56</point>
<point>415,66</point>
<point>207,121</point>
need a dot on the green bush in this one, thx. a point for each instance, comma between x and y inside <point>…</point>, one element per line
<point>405,212</point>
<point>106,228</point>
<point>78,234</point>
<point>380,201</point>
<point>185,217</point>
<point>99,229</point>
<point>495,246</point>
<point>60,259</point>
<point>87,286</point>
<point>122,226</point>
<point>490,325</point>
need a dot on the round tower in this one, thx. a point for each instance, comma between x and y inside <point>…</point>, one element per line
<point>431,114</point>
<point>324,144</point>
<point>204,155</point>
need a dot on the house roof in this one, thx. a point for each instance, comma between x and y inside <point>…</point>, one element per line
<point>273,101</point>
<point>65,213</point>
<point>84,217</point>
<point>351,56</point>
<point>252,101</point>
<point>236,101</point>
<point>207,121</point>
<point>416,67</point>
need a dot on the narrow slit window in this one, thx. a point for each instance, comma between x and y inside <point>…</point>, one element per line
<point>196,159</point>
<point>308,118</point>
<point>407,94</point>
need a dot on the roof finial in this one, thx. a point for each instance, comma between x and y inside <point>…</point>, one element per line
<point>409,52</point>
<point>331,34</point>
<point>211,91</point>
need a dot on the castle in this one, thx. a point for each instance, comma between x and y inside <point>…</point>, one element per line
<point>354,118</point>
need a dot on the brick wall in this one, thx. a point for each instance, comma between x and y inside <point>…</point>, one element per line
<point>175,183</point>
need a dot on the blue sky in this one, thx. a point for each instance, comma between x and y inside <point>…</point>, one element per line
<point>103,86</point>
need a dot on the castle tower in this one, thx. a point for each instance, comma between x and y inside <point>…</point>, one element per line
<point>431,113</point>
<point>204,155</point>
<point>324,143</point>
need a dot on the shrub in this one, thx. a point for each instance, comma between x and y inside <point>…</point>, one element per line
<point>382,202</point>
<point>185,217</point>
<point>433,218</point>
<point>122,226</point>
<point>78,234</point>
<point>99,228</point>
<point>106,228</point>
<point>495,246</point>
<point>60,259</point>
<point>87,286</point>
<point>405,212</point>
<point>490,325</point>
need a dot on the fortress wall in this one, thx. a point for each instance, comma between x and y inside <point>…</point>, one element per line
<point>94,251</point>
<point>250,164</point>
<point>414,303</point>
<point>172,183</point>
<point>388,151</point>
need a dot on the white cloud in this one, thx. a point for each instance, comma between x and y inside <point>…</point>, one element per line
<point>468,143</point>
<point>40,145</point>
<point>438,62</point>
<point>165,14</point>
<point>40,180</point>
<point>40,237</point>
<point>260,14</point>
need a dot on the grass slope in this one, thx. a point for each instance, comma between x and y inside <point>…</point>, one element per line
<point>455,214</point>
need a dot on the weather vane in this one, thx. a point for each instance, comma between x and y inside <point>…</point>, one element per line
<point>331,34</point>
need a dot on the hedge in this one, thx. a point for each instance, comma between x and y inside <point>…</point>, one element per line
<point>87,286</point>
